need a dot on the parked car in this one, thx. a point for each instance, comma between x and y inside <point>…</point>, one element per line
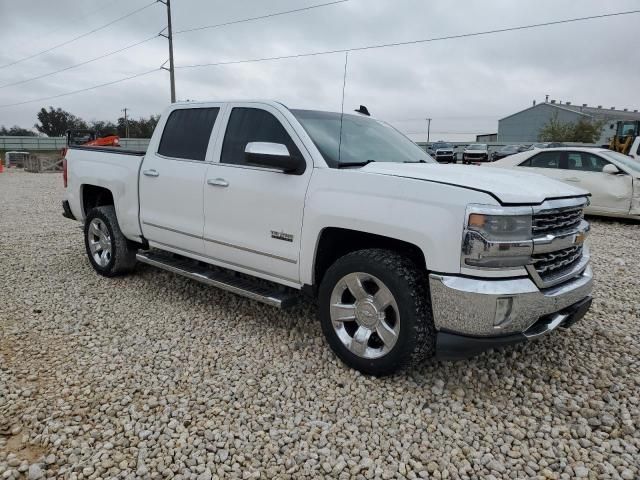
<point>443,152</point>
<point>612,178</point>
<point>506,151</point>
<point>405,258</point>
<point>476,152</point>
<point>547,145</point>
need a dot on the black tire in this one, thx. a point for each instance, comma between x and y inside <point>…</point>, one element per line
<point>409,286</point>
<point>123,252</point>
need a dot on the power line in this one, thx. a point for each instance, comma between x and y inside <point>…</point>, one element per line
<point>250,19</point>
<point>78,37</point>
<point>411,42</point>
<point>81,90</point>
<point>68,19</point>
<point>113,52</point>
<point>446,117</point>
<point>327,52</point>
<point>20,82</point>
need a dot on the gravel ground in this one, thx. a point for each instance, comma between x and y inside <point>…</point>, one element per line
<point>155,376</point>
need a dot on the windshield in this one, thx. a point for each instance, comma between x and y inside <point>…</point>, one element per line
<point>363,139</point>
<point>510,148</point>
<point>477,146</point>
<point>442,146</point>
<point>625,161</point>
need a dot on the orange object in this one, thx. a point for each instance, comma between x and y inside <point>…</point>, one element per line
<point>1,167</point>
<point>110,141</point>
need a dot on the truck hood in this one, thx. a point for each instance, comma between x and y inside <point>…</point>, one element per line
<point>507,185</point>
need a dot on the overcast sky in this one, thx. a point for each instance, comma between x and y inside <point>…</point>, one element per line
<point>465,85</point>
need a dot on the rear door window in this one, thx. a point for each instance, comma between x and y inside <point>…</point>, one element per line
<point>187,132</point>
<point>253,125</point>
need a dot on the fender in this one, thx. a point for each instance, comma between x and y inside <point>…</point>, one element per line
<point>427,215</point>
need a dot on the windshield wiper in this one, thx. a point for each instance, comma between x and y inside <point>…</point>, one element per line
<point>422,160</point>
<point>355,164</point>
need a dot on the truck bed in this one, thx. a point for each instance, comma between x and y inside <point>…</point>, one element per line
<point>113,168</point>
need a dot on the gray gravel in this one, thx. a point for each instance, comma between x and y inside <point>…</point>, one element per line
<point>155,376</point>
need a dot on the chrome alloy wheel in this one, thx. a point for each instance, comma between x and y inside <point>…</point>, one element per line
<point>365,315</point>
<point>99,242</point>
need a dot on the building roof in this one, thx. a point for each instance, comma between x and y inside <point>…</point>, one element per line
<point>611,113</point>
<point>604,112</point>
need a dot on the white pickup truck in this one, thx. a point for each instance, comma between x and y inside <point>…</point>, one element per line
<point>406,258</point>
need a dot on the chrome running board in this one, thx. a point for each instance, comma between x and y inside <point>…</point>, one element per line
<point>261,291</point>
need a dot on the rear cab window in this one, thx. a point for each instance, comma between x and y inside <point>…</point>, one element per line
<point>187,132</point>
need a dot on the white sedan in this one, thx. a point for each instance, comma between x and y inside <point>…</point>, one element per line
<point>612,178</point>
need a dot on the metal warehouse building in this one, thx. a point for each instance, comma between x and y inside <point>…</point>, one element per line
<point>525,126</point>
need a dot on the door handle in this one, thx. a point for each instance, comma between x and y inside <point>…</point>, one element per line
<point>572,179</point>
<point>218,182</point>
<point>151,173</point>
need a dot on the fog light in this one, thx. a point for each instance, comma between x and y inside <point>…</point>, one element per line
<point>504,305</point>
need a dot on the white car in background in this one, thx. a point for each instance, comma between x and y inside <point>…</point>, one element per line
<point>612,178</point>
<point>476,152</point>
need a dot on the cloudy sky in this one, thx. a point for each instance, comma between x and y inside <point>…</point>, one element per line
<point>464,85</point>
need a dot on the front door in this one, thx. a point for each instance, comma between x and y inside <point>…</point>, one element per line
<point>172,180</point>
<point>253,215</point>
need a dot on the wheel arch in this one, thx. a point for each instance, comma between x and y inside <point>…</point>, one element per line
<point>335,242</point>
<point>92,196</point>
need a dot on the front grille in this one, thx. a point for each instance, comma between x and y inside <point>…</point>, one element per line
<point>554,263</point>
<point>555,222</point>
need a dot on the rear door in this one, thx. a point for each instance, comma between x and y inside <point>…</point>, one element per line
<point>172,177</point>
<point>610,193</point>
<point>253,215</point>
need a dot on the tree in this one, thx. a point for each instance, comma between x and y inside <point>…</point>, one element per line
<point>587,131</point>
<point>584,130</point>
<point>141,128</point>
<point>16,131</point>
<point>55,122</point>
<point>103,128</point>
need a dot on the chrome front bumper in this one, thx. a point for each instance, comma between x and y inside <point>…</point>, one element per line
<point>483,307</point>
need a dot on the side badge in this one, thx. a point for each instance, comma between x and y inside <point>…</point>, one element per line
<point>287,237</point>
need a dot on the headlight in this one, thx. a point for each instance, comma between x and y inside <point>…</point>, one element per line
<point>497,237</point>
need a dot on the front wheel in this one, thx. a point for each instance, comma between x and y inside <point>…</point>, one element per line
<point>375,311</point>
<point>109,251</point>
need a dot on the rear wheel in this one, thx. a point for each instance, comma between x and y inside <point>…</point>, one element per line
<point>109,252</point>
<point>375,311</point>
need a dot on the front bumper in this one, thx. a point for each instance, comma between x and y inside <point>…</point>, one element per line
<point>475,158</point>
<point>452,346</point>
<point>442,157</point>
<point>483,307</point>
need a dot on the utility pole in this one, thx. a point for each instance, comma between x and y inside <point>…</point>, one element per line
<point>169,36</point>
<point>428,128</point>
<point>126,122</point>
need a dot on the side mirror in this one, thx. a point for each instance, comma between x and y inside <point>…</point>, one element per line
<point>610,169</point>
<point>273,155</point>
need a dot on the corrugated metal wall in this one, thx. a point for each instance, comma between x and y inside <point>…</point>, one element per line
<point>525,126</point>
